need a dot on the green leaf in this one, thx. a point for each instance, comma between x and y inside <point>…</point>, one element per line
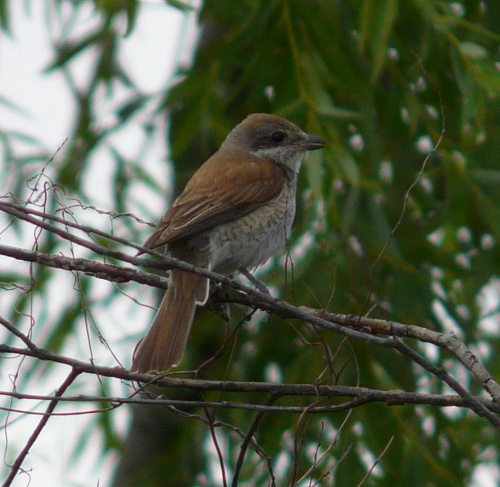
<point>67,51</point>
<point>386,17</point>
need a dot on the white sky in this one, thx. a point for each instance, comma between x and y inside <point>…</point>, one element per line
<point>150,56</point>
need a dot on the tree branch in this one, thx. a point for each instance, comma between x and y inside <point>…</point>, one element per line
<point>360,395</point>
<point>36,433</point>
<point>360,328</point>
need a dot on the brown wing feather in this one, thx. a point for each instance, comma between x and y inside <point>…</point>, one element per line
<point>222,190</point>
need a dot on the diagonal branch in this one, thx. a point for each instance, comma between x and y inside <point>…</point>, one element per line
<point>448,341</point>
<point>36,433</point>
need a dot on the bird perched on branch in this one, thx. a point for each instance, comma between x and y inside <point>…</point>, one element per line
<point>235,212</point>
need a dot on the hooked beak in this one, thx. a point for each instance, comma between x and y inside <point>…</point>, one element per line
<point>312,142</point>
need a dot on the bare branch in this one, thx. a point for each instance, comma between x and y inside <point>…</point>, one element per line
<point>108,272</point>
<point>360,395</point>
<point>36,433</point>
<point>448,341</point>
<point>244,447</point>
<point>375,331</point>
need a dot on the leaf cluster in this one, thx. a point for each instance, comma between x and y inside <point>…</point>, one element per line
<point>399,218</point>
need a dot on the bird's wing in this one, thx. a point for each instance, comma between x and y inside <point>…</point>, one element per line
<point>219,192</point>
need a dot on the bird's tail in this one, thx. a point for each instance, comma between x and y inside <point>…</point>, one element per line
<point>165,342</point>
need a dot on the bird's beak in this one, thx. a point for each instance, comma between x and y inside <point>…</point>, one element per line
<point>311,142</point>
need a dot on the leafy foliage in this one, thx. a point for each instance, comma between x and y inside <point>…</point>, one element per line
<point>399,217</point>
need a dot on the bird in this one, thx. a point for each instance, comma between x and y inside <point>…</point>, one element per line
<point>235,212</point>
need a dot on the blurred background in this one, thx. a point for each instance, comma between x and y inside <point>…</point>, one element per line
<point>106,109</point>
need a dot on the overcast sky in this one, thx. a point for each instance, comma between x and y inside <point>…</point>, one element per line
<point>151,56</point>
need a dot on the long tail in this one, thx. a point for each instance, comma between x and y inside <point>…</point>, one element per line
<point>165,342</point>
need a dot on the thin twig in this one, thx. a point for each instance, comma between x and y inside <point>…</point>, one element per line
<point>244,446</point>
<point>12,329</point>
<point>441,374</point>
<point>448,341</point>
<point>376,462</point>
<point>297,443</point>
<point>213,434</point>
<point>327,451</point>
<point>404,207</point>
<point>36,433</point>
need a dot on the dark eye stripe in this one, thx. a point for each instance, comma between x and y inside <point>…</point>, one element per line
<point>278,136</point>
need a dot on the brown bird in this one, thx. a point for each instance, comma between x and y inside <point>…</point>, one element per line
<point>235,212</point>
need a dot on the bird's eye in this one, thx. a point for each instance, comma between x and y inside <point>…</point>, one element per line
<point>278,136</point>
